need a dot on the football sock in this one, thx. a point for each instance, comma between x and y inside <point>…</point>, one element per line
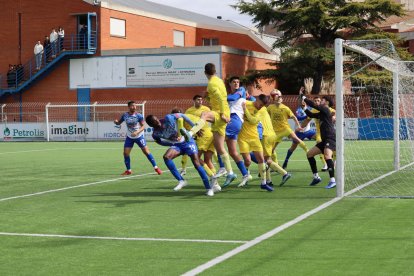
<point>242,167</point>
<point>219,160</point>
<point>312,163</point>
<point>262,171</point>
<point>151,159</point>
<point>207,169</point>
<point>331,168</point>
<point>274,166</point>
<point>197,126</point>
<point>289,153</point>
<point>226,161</point>
<point>253,158</point>
<point>303,146</point>
<point>274,156</point>
<point>173,169</point>
<point>203,176</point>
<point>127,161</point>
<point>184,160</point>
<point>322,159</point>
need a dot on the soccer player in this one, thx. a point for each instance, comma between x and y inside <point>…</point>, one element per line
<point>135,135</point>
<point>165,134</point>
<point>280,113</point>
<point>328,144</point>
<point>236,98</point>
<point>248,138</point>
<point>219,116</point>
<point>306,133</point>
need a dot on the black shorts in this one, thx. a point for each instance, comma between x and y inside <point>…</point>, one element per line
<point>328,143</point>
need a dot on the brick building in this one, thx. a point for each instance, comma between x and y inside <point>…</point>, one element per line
<point>98,65</point>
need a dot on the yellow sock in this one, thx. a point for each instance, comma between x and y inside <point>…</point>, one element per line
<point>262,171</point>
<point>303,146</point>
<point>274,156</point>
<point>322,159</point>
<point>226,160</point>
<point>207,169</point>
<point>184,160</point>
<point>213,170</point>
<point>277,168</point>
<point>268,177</point>
<point>197,126</point>
<point>180,124</point>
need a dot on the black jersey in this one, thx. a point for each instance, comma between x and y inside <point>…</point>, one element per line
<point>326,124</point>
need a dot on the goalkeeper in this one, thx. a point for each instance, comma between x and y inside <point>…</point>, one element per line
<point>328,144</point>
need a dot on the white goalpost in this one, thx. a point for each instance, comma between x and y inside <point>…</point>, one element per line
<point>374,120</point>
<point>85,122</point>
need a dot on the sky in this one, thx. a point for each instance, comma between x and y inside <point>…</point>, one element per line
<point>212,8</point>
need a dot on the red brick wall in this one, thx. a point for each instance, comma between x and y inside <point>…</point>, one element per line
<point>141,32</point>
<point>38,18</point>
<point>239,41</point>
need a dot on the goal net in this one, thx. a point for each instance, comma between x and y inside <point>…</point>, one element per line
<point>375,120</point>
<point>86,122</point>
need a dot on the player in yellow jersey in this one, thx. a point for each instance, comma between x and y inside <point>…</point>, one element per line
<point>279,114</point>
<point>248,138</point>
<point>268,142</point>
<point>219,116</point>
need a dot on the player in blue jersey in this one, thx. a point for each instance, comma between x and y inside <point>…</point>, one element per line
<point>165,133</point>
<point>306,133</point>
<point>135,135</point>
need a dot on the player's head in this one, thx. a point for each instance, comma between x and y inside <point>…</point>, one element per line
<point>132,106</point>
<point>176,110</point>
<point>234,83</point>
<point>210,69</point>
<point>198,101</point>
<point>326,100</point>
<point>261,100</point>
<point>317,100</point>
<point>276,95</point>
<point>153,121</point>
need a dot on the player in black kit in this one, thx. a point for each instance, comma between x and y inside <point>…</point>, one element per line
<point>328,144</point>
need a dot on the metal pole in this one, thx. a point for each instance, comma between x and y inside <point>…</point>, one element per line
<point>47,122</point>
<point>396,118</point>
<point>340,179</point>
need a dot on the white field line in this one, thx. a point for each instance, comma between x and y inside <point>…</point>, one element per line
<point>76,186</point>
<point>116,238</point>
<point>280,228</point>
<point>62,149</point>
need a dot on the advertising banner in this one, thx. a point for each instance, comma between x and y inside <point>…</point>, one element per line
<point>23,132</point>
<point>170,70</point>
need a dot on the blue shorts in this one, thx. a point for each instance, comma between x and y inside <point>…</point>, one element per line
<point>186,148</point>
<point>307,134</point>
<point>140,141</point>
<point>260,130</point>
<point>233,127</point>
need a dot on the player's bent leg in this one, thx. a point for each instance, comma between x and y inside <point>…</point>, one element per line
<point>168,160</point>
<point>127,161</point>
<point>312,162</point>
<point>150,158</point>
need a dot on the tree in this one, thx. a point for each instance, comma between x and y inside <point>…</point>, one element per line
<point>322,21</point>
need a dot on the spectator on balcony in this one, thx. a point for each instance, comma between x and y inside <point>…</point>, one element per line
<point>47,48</point>
<point>11,76</point>
<point>83,32</point>
<point>53,42</point>
<point>38,52</point>
<point>61,34</point>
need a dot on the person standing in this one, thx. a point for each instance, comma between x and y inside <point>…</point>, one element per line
<point>46,48</point>
<point>53,42</point>
<point>38,52</point>
<point>61,37</point>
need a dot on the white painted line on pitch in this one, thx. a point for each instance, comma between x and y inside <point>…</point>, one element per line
<point>117,238</point>
<point>280,228</point>
<point>62,149</point>
<point>77,186</point>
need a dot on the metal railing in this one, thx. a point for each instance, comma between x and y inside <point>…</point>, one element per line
<point>23,74</point>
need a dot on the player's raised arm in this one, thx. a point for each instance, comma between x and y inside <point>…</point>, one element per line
<point>254,119</point>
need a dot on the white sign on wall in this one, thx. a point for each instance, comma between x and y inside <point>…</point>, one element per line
<point>169,70</point>
<point>22,132</point>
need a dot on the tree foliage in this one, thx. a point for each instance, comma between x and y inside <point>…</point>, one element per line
<point>309,29</point>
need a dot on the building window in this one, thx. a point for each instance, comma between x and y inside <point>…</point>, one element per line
<point>117,27</point>
<point>210,41</point>
<point>178,38</point>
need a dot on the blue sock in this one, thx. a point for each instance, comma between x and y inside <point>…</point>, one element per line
<point>253,158</point>
<point>204,176</point>
<point>242,167</point>
<point>289,153</point>
<point>173,169</point>
<point>127,161</point>
<point>151,159</point>
<point>220,161</point>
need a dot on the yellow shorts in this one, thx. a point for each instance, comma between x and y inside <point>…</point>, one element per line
<point>268,142</point>
<point>284,133</point>
<point>248,145</point>
<point>219,125</point>
<point>205,143</point>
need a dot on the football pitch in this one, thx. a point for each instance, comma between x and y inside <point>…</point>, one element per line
<point>66,210</point>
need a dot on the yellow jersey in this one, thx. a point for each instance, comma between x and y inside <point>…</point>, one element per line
<point>267,124</point>
<point>279,114</point>
<point>249,129</point>
<point>197,111</point>
<point>217,94</point>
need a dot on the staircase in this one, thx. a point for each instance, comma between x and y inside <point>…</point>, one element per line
<point>22,77</point>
